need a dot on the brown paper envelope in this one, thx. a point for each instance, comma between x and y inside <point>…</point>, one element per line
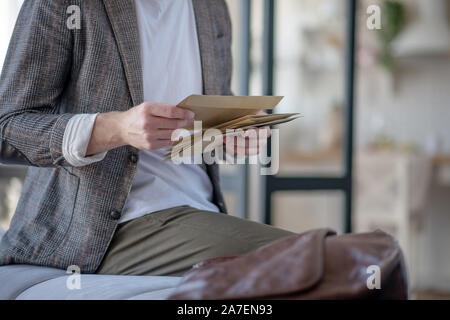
<point>228,124</point>
<point>269,123</point>
<point>279,119</point>
<point>262,120</point>
<point>214,110</point>
<point>250,119</point>
<point>185,147</point>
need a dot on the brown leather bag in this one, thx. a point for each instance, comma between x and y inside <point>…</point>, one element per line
<point>314,265</point>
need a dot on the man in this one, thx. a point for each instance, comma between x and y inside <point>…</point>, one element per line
<point>90,110</point>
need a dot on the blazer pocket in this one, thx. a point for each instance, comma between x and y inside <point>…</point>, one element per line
<point>61,227</point>
<point>51,194</point>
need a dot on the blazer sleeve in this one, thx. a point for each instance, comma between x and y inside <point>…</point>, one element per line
<point>35,72</point>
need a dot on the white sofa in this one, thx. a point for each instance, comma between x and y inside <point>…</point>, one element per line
<point>26,282</point>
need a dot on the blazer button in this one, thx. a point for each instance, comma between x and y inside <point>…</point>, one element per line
<point>133,158</point>
<point>115,215</point>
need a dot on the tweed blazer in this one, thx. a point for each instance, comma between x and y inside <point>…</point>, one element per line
<point>66,215</point>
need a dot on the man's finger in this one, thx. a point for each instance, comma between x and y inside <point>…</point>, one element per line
<point>162,134</point>
<point>165,123</point>
<point>171,112</point>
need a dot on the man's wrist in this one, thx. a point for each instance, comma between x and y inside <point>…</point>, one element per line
<point>107,133</point>
<point>113,124</point>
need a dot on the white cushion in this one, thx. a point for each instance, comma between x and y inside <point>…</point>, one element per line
<point>103,287</point>
<point>26,282</point>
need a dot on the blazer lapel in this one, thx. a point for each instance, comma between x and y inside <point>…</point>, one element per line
<point>122,15</point>
<point>207,37</point>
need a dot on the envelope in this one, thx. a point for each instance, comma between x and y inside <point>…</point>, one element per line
<point>229,113</point>
<point>215,110</point>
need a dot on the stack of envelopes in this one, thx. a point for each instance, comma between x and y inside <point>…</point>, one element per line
<point>230,115</point>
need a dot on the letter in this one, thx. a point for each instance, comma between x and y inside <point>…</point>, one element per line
<point>231,310</point>
<point>74,20</point>
<point>73,282</point>
<point>213,152</point>
<point>374,21</point>
<point>208,311</point>
<point>230,144</point>
<point>274,159</point>
<point>241,144</point>
<point>253,144</point>
<point>189,310</point>
<point>374,280</point>
<point>180,157</point>
<point>198,142</point>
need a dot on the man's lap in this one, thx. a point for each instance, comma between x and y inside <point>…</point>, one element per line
<point>170,242</point>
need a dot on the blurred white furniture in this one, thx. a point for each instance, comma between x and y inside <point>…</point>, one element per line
<point>25,282</point>
<point>11,180</point>
<point>391,189</point>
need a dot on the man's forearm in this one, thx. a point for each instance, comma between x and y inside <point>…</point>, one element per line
<point>106,134</point>
<point>148,126</point>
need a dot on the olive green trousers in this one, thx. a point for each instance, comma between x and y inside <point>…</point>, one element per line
<point>170,242</point>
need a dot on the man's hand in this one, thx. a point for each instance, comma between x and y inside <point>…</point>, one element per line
<point>249,143</point>
<point>148,126</point>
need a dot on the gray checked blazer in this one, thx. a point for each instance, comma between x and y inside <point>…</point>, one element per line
<point>66,215</point>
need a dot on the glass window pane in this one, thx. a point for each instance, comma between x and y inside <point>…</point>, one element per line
<point>234,9</point>
<point>309,72</point>
<point>232,176</point>
<point>403,134</point>
<point>256,45</point>
<point>230,200</point>
<point>302,211</point>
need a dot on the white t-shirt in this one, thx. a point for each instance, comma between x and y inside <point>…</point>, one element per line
<point>171,68</point>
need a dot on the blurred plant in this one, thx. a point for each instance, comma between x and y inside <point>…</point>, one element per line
<point>393,17</point>
<point>383,142</point>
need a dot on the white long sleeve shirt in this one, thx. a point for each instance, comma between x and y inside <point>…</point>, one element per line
<point>171,66</point>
